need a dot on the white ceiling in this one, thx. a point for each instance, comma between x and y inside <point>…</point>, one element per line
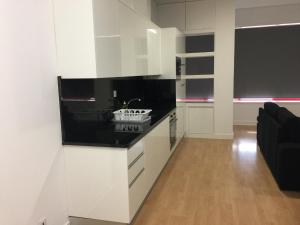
<point>244,3</point>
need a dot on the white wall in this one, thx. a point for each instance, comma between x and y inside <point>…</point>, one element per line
<point>154,12</point>
<point>268,15</point>
<point>191,17</point>
<point>261,3</point>
<point>31,159</point>
<point>172,15</point>
<point>224,68</point>
<point>246,113</point>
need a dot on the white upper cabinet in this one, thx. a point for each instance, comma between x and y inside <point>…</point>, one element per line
<point>173,43</point>
<point>200,16</point>
<point>108,39</point>
<point>74,29</point>
<point>103,38</point>
<point>154,49</point>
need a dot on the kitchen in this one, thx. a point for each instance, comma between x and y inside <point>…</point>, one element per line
<point>119,117</point>
<point>102,56</point>
<point>120,76</point>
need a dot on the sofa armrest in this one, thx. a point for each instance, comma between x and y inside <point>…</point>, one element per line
<point>260,114</point>
<point>288,166</point>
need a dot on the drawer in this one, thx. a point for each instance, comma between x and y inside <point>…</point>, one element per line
<point>135,151</point>
<point>135,169</point>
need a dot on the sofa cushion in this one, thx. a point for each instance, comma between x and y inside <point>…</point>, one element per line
<point>290,131</point>
<point>272,109</point>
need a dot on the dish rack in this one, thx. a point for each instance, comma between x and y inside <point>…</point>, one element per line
<point>132,115</point>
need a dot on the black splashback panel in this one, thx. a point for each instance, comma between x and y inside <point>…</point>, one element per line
<point>91,101</point>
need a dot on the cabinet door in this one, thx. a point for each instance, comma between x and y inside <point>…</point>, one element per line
<point>180,88</point>
<point>153,48</point>
<point>107,37</point>
<point>200,120</point>
<point>128,28</point>
<point>200,15</point>
<point>74,34</point>
<point>136,177</point>
<point>180,113</point>
<point>157,152</point>
<point>140,46</point>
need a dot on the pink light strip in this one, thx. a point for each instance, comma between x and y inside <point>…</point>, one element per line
<point>242,100</point>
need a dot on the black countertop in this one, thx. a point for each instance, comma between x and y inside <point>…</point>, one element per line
<point>107,134</point>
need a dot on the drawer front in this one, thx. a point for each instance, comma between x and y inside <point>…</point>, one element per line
<point>135,169</point>
<point>135,151</point>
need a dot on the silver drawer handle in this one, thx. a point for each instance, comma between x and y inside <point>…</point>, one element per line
<point>134,161</point>
<point>135,179</point>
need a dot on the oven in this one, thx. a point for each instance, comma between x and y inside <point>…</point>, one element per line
<point>173,128</point>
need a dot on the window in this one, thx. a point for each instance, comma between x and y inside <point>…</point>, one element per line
<point>267,62</point>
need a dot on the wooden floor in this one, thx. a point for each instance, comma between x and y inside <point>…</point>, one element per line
<point>216,182</point>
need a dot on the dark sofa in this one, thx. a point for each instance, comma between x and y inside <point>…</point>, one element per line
<point>278,136</point>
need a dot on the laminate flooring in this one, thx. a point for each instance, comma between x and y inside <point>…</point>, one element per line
<point>219,182</point>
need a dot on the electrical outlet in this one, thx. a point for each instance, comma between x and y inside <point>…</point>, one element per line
<point>43,221</point>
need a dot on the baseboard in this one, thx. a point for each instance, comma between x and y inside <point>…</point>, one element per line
<point>224,136</point>
<point>84,221</point>
<point>245,123</point>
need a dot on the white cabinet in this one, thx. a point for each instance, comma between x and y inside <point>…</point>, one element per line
<point>109,39</point>
<point>74,29</point>
<point>103,38</point>
<point>180,89</point>
<point>172,15</point>
<point>180,113</point>
<point>154,49</point>
<point>110,184</point>
<point>157,152</point>
<point>97,183</point>
<point>199,119</point>
<point>180,109</point>
<point>173,43</point>
<point>200,16</point>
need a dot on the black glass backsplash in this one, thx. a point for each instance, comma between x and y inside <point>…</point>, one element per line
<point>91,101</point>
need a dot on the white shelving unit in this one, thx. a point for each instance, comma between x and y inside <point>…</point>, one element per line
<point>185,56</point>
<point>197,77</point>
<point>196,55</point>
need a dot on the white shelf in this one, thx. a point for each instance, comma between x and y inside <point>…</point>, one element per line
<point>201,32</point>
<point>196,55</point>
<point>191,77</point>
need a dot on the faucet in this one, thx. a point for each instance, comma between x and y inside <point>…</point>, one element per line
<point>126,105</point>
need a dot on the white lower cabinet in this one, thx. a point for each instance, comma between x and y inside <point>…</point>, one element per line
<point>157,152</point>
<point>199,120</point>
<point>180,113</point>
<point>111,184</point>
